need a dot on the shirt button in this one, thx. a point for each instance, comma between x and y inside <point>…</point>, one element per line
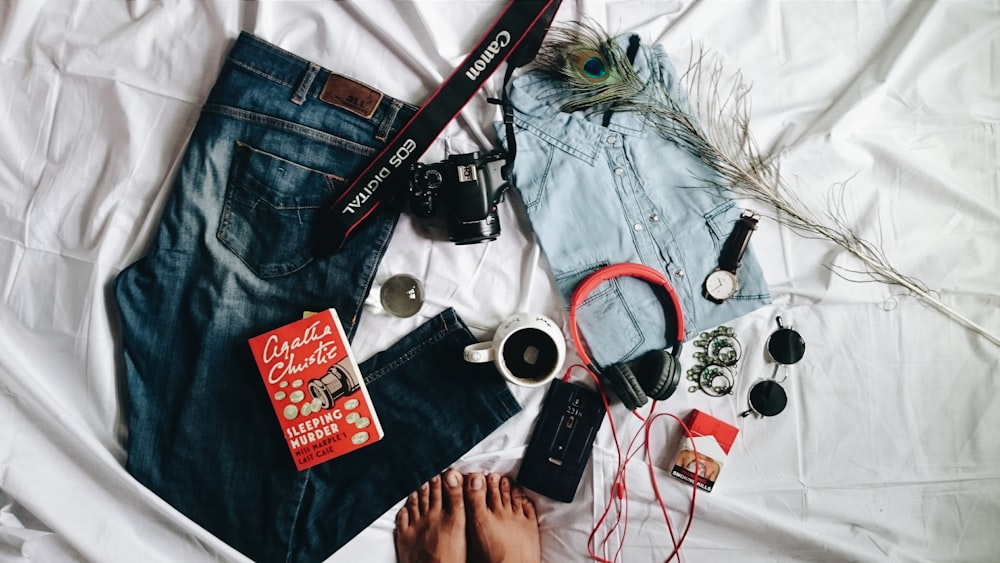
<point>619,171</point>
<point>612,139</point>
<point>679,273</point>
<point>637,226</point>
<point>654,218</point>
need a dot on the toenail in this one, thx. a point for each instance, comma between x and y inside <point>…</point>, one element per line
<point>452,479</point>
<point>476,483</point>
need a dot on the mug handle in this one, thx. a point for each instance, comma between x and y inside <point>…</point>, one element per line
<point>480,353</point>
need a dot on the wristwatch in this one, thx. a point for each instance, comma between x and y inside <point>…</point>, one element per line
<point>722,283</point>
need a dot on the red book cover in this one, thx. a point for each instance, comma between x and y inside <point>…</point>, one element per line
<point>317,390</point>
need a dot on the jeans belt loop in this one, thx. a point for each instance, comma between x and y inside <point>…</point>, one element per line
<point>307,79</point>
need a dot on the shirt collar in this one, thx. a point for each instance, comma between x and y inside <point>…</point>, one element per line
<point>537,96</point>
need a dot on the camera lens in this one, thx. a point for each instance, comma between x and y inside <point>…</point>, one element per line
<point>473,232</point>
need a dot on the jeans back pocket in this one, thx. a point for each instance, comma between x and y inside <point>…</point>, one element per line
<point>269,209</point>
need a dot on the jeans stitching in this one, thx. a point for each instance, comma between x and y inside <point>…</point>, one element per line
<point>409,354</point>
<point>291,127</point>
<point>371,267</point>
<point>234,182</point>
<point>259,73</point>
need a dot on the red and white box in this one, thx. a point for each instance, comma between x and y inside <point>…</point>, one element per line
<point>316,388</point>
<point>704,453</point>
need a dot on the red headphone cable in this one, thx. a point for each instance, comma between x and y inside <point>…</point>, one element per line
<point>618,495</point>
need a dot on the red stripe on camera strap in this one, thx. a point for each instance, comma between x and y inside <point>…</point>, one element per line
<point>516,35</point>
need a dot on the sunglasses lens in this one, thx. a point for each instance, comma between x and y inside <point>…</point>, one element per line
<point>786,346</point>
<point>768,398</point>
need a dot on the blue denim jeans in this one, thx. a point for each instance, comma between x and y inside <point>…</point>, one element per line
<point>277,139</point>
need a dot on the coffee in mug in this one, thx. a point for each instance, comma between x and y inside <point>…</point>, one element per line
<point>527,349</point>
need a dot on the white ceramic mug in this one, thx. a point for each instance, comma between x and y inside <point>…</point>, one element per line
<point>528,349</point>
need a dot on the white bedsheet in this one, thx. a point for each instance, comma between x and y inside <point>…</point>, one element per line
<point>890,447</point>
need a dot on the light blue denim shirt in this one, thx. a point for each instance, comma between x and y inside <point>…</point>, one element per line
<point>599,195</point>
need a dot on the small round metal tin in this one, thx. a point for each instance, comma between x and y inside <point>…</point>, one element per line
<point>402,295</point>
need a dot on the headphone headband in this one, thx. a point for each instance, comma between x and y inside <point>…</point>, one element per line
<point>606,273</point>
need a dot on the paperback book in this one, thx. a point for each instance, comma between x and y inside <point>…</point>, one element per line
<point>316,388</point>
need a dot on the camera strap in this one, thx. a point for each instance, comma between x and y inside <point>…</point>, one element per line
<point>515,38</point>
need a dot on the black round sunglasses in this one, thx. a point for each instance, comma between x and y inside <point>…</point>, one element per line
<point>767,397</point>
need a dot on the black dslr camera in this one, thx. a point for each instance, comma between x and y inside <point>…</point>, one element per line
<point>465,190</point>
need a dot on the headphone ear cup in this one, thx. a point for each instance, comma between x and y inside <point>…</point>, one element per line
<point>663,372</point>
<point>624,383</point>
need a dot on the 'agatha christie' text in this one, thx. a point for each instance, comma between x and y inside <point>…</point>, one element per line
<point>290,357</point>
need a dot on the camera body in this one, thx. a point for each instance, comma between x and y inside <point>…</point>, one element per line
<point>464,190</point>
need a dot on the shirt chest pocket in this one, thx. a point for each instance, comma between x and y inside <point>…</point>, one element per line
<point>544,162</point>
<point>720,221</point>
<point>269,210</point>
<point>604,318</point>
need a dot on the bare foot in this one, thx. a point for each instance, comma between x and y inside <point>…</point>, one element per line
<point>503,526</point>
<point>430,528</point>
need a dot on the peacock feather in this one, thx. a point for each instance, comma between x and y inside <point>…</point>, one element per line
<point>714,126</point>
<point>591,65</point>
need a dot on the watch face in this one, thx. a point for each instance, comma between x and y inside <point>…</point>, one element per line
<point>721,285</point>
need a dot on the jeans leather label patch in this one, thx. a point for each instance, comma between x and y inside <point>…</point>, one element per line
<point>351,95</point>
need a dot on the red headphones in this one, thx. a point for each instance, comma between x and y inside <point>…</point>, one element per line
<point>656,373</point>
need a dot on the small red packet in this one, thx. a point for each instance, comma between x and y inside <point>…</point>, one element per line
<point>712,439</point>
<point>316,387</point>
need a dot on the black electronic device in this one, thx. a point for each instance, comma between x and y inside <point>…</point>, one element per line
<point>562,441</point>
<point>464,189</point>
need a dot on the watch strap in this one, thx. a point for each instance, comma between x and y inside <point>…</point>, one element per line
<point>736,244</point>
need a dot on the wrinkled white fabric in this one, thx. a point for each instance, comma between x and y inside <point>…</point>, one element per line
<point>888,449</point>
